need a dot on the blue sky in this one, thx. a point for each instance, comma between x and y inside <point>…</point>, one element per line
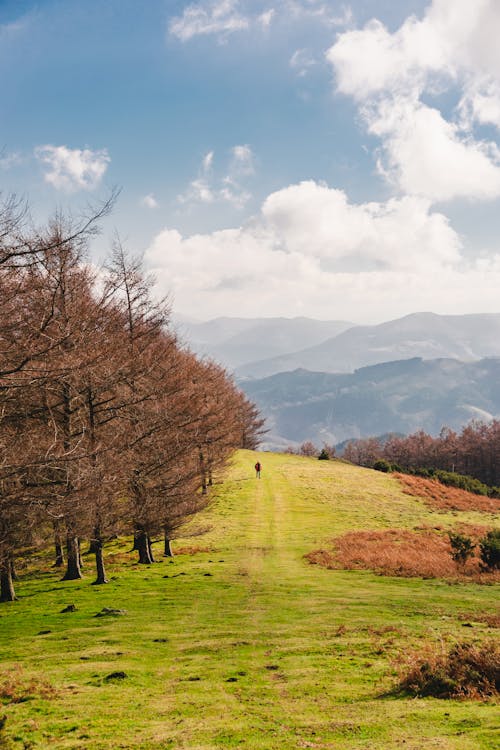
<point>275,157</point>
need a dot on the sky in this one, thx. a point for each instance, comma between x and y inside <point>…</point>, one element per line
<point>318,158</point>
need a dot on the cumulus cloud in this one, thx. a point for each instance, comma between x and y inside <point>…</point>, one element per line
<point>312,251</point>
<point>393,76</point>
<point>73,169</point>
<point>221,17</point>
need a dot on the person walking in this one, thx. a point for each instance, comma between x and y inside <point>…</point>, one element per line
<point>258,467</point>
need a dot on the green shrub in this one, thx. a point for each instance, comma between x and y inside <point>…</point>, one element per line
<point>462,547</point>
<point>490,550</point>
<point>462,482</point>
<point>382,465</point>
<point>324,455</point>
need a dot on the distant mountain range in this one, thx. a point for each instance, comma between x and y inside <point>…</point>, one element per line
<point>256,348</point>
<point>401,396</point>
<point>328,381</point>
<point>234,342</point>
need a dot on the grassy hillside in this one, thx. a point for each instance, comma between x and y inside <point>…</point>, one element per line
<point>246,644</point>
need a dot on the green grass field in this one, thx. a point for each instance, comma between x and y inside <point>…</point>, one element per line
<point>247,645</point>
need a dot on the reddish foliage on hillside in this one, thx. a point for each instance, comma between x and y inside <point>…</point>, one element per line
<point>442,497</point>
<point>422,553</point>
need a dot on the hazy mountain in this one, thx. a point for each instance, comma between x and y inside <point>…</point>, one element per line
<point>236,341</point>
<point>400,396</point>
<point>426,335</point>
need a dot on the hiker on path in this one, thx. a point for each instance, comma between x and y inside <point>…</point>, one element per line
<point>257,470</point>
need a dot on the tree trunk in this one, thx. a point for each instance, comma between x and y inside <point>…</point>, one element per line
<point>143,547</point>
<point>13,573</point>
<point>73,567</point>
<point>7,593</point>
<point>150,548</point>
<point>203,473</point>
<point>99,562</point>
<point>58,546</point>
<point>168,546</point>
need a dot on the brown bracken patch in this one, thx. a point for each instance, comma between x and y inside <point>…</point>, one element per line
<point>466,670</point>
<point>17,687</point>
<point>491,619</point>
<point>423,552</point>
<point>440,496</point>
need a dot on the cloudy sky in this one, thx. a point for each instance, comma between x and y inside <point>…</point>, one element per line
<point>338,160</point>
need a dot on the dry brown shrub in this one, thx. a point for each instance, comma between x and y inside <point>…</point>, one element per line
<point>423,552</point>
<point>17,687</point>
<point>442,497</point>
<point>465,671</point>
<point>491,619</point>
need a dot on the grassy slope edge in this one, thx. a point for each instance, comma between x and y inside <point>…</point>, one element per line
<point>247,645</point>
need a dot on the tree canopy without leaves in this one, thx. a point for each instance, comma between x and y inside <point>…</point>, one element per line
<point>108,425</point>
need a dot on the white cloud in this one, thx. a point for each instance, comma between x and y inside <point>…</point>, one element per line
<point>7,161</point>
<point>242,161</point>
<point>317,9</point>
<point>265,19</point>
<point>424,154</point>
<point>311,251</point>
<point>149,201</point>
<point>209,188</point>
<point>73,169</point>
<point>392,75</point>
<point>302,61</point>
<point>221,17</point>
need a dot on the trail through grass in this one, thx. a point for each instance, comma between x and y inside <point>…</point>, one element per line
<point>248,645</point>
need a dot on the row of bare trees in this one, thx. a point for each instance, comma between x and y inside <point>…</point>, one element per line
<point>474,451</point>
<point>107,424</point>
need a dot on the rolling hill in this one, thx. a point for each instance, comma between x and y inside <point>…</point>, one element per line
<point>239,641</point>
<point>401,396</point>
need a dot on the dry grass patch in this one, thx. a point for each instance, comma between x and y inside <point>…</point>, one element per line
<point>192,549</point>
<point>465,671</point>
<point>17,687</point>
<point>423,552</point>
<point>491,619</point>
<point>442,497</point>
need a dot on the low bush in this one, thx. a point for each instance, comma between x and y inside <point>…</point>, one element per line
<point>462,547</point>
<point>490,550</point>
<point>461,482</point>
<point>466,671</point>
<point>382,465</point>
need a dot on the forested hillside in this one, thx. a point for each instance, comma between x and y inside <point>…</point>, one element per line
<point>402,397</point>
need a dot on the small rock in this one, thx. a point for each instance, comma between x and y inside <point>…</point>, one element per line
<point>69,608</point>
<point>207,574</point>
<point>232,679</point>
<point>160,640</point>
<point>272,667</point>
<point>44,632</point>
